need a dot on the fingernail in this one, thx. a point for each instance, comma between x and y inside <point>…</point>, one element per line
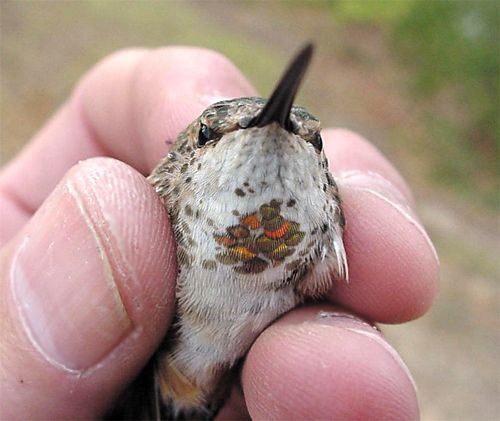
<point>64,284</point>
<point>355,325</point>
<point>339,318</point>
<point>376,185</point>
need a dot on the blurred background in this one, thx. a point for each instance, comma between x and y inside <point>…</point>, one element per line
<point>420,79</point>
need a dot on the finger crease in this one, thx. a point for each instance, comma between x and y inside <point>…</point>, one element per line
<point>19,203</point>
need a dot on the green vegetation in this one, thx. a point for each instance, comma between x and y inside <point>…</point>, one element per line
<point>451,49</point>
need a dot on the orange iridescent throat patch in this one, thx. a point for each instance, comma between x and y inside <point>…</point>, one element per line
<point>261,239</point>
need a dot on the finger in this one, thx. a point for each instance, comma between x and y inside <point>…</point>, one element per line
<point>127,107</point>
<point>393,266</point>
<point>86,294</point>
<point>318,364</point>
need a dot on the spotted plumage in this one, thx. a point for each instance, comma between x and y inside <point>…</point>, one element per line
<point>260,239</point>
<point>258,224</point>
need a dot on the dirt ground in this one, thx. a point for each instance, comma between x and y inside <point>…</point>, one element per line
<point>356,83</point>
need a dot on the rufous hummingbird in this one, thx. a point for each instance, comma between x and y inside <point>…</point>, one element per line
<point>258,223</point>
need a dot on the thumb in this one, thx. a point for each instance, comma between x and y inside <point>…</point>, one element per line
<point>86,294</point>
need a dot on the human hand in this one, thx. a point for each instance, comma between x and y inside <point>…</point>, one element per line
<point>87,265</point>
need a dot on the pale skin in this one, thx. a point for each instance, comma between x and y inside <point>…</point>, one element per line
<point>312,363</point>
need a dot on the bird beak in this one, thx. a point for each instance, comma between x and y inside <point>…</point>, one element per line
<point>279,105</point>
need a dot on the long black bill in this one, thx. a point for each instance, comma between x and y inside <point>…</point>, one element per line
<point>279,105</point>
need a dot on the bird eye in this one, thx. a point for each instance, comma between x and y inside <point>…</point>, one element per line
<point>317,142</point>
<point>205,135</point>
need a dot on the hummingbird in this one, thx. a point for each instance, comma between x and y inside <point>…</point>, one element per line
<point>258,223</point>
